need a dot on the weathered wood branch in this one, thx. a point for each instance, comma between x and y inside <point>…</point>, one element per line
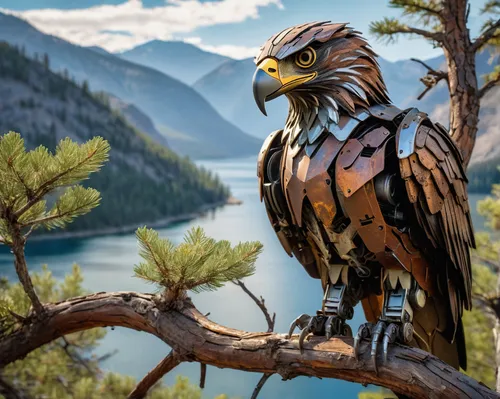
<point>486,36</point>
<point>432,78</point>
<point>171,361</point>
<point>408,371</point>
<point>488,86</point>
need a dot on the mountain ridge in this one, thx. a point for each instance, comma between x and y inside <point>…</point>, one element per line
<point>183,61</point>
<point>44,108</point>
<point>192,126</point>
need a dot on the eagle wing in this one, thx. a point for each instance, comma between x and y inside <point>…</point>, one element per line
<point>437,187</point>
<point>293,238</point>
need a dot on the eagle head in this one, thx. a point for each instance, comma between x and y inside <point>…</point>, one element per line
<point>319,64</point>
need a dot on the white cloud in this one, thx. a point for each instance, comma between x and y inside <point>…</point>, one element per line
<point>120,27</point>
<point>230,50</point>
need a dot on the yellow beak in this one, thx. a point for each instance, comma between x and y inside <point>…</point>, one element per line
<point>268,84</point>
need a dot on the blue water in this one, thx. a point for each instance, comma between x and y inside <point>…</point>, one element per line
<point>107,263</point>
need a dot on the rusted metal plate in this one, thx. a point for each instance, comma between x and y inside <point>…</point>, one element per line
<point>319,183</point>
<point>363,209</point>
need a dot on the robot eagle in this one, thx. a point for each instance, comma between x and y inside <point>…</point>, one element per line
<point>369,198</point>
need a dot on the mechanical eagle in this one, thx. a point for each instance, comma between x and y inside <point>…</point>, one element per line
<point>369,198</point>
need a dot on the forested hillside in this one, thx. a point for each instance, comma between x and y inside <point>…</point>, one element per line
<point>143,182</point>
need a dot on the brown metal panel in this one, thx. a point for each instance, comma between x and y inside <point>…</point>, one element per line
<point>364,169</point>
<point>365,214</point>
<point>375,137</point>
<point>319,183</point>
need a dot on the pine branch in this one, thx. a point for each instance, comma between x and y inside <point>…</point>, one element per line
<point>166,365</point>
<point>418,6</point>
<point>391,27</point>
<point>18,243</point>
<point>486,36</point>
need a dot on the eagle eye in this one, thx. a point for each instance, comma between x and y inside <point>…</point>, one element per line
<point>306,58</point>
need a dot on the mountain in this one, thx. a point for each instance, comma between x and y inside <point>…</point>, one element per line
<point>135,117</point>
<point>180,60</point>
<point>192,126</point>
<point>143,182</point>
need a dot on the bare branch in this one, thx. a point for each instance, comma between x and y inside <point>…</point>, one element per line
<point>74,357</point>
<point>493,264</point>
<point>489,85</point>
<point>9,392</point>
<point>487,35</point>
<point>203,375</point>
<point>167,364</point>
<point>189,333</point>
<point>432,78</point>
<point>261,304</point>
<point>259,385</point>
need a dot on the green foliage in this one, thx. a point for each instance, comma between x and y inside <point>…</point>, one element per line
<point>480,321</point>
<point>67,368</point>
<point>199,263</point>
<point>29,176</point>
<point>376,393</point>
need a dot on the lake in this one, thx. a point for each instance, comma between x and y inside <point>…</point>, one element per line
<point>107,263</point>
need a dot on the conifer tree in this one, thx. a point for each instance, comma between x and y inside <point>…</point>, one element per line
<point>444,24</point>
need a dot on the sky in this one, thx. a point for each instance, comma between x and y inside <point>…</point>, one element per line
<point>235,28</point>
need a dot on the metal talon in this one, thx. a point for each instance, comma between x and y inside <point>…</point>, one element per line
<point>377,333</point>
<point>329,327</point>
<point>302,337</point>
<point>390,335</point>
<point>301,322</point>
<point>364,331</point>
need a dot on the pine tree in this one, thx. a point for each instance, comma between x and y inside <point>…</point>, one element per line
<point>444,24</point>
<point>46,61</point>
<point>66,368</point>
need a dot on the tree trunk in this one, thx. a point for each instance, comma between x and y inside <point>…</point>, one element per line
<point>464,93</point>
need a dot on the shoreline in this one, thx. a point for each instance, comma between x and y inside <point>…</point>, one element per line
<point>162,223</point>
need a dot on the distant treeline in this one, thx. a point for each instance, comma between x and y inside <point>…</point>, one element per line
<point>142,182</point>
<point>483,175</point>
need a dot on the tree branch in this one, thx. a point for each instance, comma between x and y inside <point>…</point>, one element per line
<point>418,6</point>
<point>170,362</point>
<point>261,304</point>
<point>203,375</point>
<point>391,26</point>
<point>10,392</point>
<point>488,86</point>
<point>486,36</point>
<point>432,78</point>
<point>18,243</point>
<point>259,385</point>
<point>408,371</point>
